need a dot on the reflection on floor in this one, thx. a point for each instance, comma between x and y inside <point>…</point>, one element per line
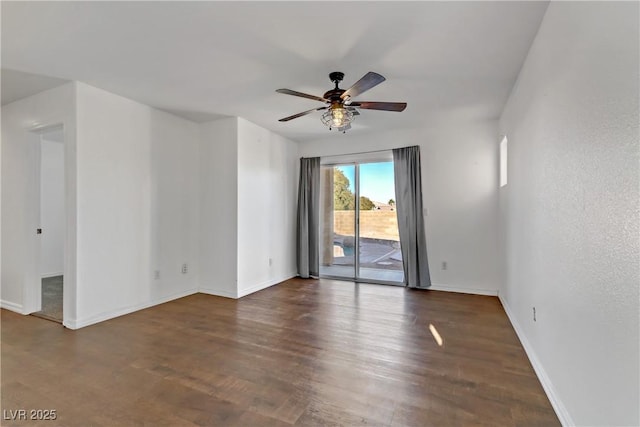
<point>51,299</point>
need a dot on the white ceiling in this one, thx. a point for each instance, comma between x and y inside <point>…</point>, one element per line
<point>449,61</point>
<point>17,85</point>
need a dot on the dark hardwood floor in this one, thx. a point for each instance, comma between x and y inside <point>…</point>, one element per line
<point>304,353</point>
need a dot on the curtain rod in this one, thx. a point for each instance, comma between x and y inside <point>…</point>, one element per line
<point>353,154</point>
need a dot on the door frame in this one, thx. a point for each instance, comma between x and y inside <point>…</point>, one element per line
<point>32,285</point>
<point>356,160</point>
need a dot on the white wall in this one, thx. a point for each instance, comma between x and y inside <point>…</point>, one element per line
<point>570,210</point>
<point>247,207</point>
<point>267,203</point>
<point>154,192</point>
<point>219,207</point>
<point>137,205</point>
<point>20,211</point>
<point>459,182</point>
<point>52,218</point>
<point>175,193</point>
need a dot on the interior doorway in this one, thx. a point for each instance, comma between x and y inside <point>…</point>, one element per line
<point>51,231</point>
<point>359,237</point>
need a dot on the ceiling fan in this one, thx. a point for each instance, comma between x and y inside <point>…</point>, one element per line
<point>341,109</point>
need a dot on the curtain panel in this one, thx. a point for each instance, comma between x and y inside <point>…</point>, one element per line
<point>413,243</point>
<point>308,217</point>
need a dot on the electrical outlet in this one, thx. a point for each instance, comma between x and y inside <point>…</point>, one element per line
<point>444,265</point>
<point>156,275</point>
<point>270,262</point>
<point>534,314</point>
<point>184,268</point>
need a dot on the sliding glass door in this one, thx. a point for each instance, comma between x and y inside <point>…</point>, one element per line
<point>338,221</point>
<point>379,255</point>
<point>358,224</point>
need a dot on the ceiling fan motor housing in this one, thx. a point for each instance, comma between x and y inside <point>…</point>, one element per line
<point>334,95</point>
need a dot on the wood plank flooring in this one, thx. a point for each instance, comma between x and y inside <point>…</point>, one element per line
<point>302,353</point>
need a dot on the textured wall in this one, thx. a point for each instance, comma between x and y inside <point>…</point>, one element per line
<point>571,207</point>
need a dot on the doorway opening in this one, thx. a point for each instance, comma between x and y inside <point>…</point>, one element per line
<point>359,238</point>
<point>52,229</point>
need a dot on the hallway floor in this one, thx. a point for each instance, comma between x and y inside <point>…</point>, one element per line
<point>51,299</point>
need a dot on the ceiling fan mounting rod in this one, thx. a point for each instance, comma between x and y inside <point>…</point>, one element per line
<point>333,95</point>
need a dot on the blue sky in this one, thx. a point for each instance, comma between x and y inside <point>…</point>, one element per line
<point>376,180</point>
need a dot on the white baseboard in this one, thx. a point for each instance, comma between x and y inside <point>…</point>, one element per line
<point>11,306</point>
<point>264,285</point>
<point>47,275</point>
<point>459,289</point>
<point>218,293</point>
<point>547,385</point>
<point>81,323</point>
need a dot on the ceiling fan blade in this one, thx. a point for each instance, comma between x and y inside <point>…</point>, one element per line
<point>385,106</point>
<point>304,113</point>
<point>300,94</point>
<point>369,80</point>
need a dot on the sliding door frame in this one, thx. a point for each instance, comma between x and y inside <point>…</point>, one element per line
<point>356,225</point>
<point>352,160</point>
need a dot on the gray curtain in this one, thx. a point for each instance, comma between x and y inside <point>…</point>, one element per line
<point>308,213</point>
<point>413,243</point>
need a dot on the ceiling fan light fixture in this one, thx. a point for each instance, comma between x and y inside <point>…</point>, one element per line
<point>339,109</point>
<point>337,117</point>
